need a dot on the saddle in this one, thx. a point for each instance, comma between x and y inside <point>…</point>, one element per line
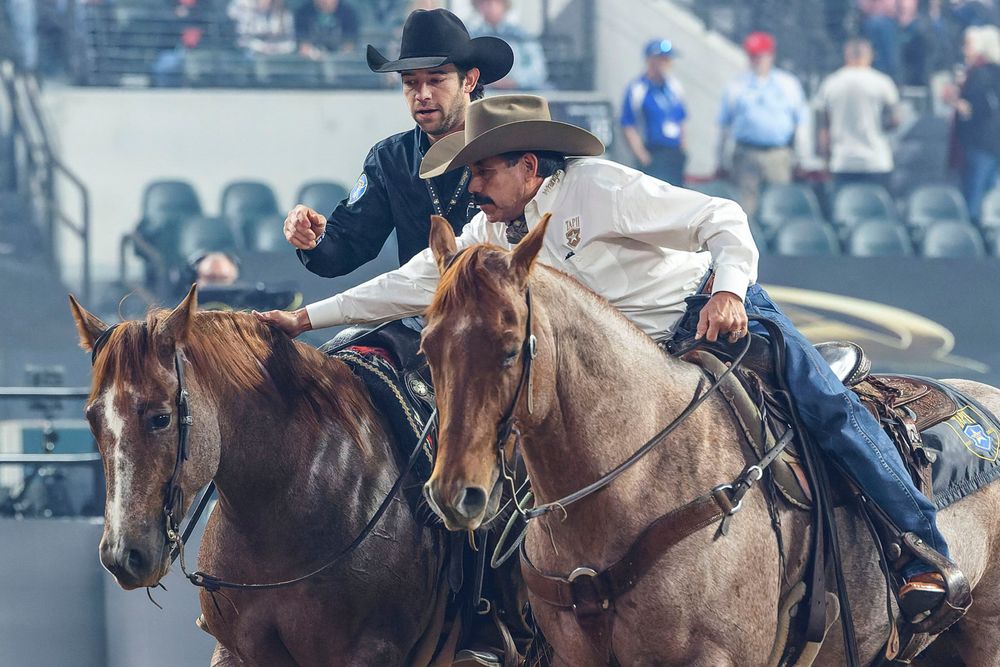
<point>906,406</point>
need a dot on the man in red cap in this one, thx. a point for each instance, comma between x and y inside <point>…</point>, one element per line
<point>762,111</point>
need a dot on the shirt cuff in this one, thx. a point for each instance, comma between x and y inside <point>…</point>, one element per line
<point>326,313</point>
<point>730,279</point>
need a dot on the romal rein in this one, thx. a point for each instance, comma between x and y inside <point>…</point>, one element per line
<point>174,496</point>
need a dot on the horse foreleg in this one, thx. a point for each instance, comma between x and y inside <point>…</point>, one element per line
<point>221,657</point>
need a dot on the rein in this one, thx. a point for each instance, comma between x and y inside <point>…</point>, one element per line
<point>174,496</point>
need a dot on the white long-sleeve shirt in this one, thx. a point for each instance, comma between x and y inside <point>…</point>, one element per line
<point>643,244</point>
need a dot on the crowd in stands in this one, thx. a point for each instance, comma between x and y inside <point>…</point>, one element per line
<point>854,113</point>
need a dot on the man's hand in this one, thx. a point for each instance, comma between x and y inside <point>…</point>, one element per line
<point>303,227</point>
<point>292,323</point>
<point>724,313</point>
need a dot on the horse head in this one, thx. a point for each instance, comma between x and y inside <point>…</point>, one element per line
<point>475,340</point>
<point>133,413</point>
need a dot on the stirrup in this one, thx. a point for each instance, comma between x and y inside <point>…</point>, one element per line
<point>921,594</point>
<point>957,597</point>
<point>476,658</point>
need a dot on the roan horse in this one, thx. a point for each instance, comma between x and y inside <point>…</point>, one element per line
<point>301,460</point>
<point>600,389</point>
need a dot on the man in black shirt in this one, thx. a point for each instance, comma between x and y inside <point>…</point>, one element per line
<point>326,26</point>
<point>389,193</point>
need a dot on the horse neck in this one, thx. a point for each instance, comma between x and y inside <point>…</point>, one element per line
<point>613,389</point>
<point>277,463</point>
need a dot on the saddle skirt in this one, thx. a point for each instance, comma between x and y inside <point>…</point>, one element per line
<point>950,443</point>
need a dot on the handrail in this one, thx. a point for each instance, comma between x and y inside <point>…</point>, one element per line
<point>44,392</point>
<point>43,165</point>
<point>88,458</point>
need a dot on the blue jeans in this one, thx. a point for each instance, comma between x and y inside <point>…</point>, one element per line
<point>847,433</point>
<point>978,177</point>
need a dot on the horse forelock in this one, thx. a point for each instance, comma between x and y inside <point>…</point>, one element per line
<point>474,276</point>
<point>237,352</point>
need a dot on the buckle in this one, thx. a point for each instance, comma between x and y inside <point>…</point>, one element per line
<point>581,572</point>
<point>599,602</point>
<point>722,488</point>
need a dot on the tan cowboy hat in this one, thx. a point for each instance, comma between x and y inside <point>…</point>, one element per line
<point>505,124</point>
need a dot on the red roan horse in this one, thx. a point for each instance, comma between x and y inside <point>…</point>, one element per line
<point>600,389</point>
<point>301,460</point>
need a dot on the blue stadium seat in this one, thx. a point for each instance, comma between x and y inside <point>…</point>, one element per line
<point>859,202</point>
<point>166,202</point>
<point>989,219</point>
<point>930,204</point>
<point>878,238</point>
<point>322,196</point>
<point>245,201</point>
<point>199,235</point>
<point>782,203</point>
<point>806,238</point>
<point>265,234</point>
<point>952,239</point>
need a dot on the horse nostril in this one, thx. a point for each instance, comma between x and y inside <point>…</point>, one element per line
<point>134,561</point>
<point>471,501</point>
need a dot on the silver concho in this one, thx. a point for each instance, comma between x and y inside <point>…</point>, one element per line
<point>418,387</point>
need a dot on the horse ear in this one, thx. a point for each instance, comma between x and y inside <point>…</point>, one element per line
<point>442,241</point>
<point>89,326</point>
<point>522,257</point>
<point>177,324</point>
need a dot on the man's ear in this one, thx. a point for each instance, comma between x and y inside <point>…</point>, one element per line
<point>442,242</point>
<point>173,331</point>
<point>470,80</point>
<point>522,257</point>
<point>88,325</point>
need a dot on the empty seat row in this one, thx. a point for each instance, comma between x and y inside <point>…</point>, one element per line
<point>947,239</point>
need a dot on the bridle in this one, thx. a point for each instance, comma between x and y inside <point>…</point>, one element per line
<point>174,495</point>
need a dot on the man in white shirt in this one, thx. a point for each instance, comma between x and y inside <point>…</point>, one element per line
<point>646,246</point>
<point>857,107</point>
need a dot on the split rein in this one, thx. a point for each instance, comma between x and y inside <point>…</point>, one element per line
<point>175,496</point>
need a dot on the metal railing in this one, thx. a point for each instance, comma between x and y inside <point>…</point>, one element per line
<point>38,168</point>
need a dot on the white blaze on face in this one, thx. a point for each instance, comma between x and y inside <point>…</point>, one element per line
<point>122,466</point>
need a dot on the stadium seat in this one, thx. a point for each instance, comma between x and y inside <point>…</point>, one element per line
<point>322,196</point>
<point>989,219</point>
<point>805,238</point>
<point>199,235</point>
<point>782,203</point>
<point>264,234</point>
<point>878,238</point>
<point>952,239</point>
<point>858,202</point>
<point>245,201</point>
<point>165,203</point>
<point>930,204</point>
<point>723,189</point>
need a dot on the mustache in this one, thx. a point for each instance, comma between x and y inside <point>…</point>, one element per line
<point>482,199</point>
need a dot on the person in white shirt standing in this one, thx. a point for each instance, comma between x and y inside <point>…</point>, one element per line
<point>857,108</point>
<point>676,262</point>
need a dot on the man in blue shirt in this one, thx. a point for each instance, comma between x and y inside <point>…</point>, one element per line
<point>653,115</point>
<point>762,110</point>
<point>442,70</point>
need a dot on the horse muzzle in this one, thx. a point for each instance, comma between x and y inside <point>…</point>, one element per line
<point>465,509</point>
<point>132,564</point>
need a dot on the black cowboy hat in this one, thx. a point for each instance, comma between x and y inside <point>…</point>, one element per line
<point>435,37</point>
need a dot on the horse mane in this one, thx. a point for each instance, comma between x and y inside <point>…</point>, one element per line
<point>471,279</point>
<point>236,352</point>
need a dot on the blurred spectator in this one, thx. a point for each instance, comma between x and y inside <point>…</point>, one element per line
<point>191,18</point>
<point>879,26</point>
<point>263,27</point>
<point>530,71</point>
<point>653,115</point>
<point>857,105</point>
<point>762,110</point>
<point>977,114</point>
<point>923,42</point>
<point>326,26</point>
<point>24,23</point>
<point>215,268</point>
<point>970,13</point>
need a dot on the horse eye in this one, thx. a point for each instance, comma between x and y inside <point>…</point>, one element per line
<point>509,357</point>
<point>159,422</point>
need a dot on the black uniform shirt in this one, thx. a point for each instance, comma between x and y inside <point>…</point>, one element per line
<point>389,194</point>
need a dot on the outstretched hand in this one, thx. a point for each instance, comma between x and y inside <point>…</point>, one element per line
<point>303,227</point>
<point>723,314</point>
<point>292,323</point>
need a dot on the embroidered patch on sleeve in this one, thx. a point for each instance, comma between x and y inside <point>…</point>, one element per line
<point>359,189</point>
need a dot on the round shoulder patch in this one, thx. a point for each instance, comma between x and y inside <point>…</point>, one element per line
<point>359,189</point>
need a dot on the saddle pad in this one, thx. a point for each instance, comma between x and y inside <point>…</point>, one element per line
<point>405,417</point>
<point>964,449</point>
